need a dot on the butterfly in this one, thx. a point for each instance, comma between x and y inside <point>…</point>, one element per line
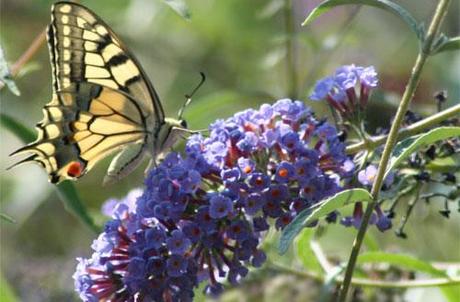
<point>102,102</point>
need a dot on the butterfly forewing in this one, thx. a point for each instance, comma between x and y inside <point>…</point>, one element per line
<point>102,100</point>
<point>84,49</point>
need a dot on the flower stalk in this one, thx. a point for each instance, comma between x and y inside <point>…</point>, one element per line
<point>373,142</point>
<point>392,139</point>
<point>27,55</point>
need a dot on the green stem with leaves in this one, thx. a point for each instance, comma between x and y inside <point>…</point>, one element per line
<point>414,80</point>
<point>411,130</point>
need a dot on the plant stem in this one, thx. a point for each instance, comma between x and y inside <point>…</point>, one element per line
<point>414,80</point>
<point>322,259</point>
<point>27,55</point>
<point>291,70</point>
<point>368,282</point>
<point>413,129</point>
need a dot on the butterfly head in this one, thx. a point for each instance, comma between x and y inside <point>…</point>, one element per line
<point>172,123</point>
<point>183,124</point>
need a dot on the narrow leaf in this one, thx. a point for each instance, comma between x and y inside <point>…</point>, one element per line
<point>329,284</point>
<point>66,190</point>
<point>319,210</point>
<point>445,164</point>
<point>409,145</point>
<point>401,260</point>
<point>199,293</point>
<point>6,292</point>
<point>449,45</point>
<point>383,4</point>
<point>438,42</point>
<point>305,253</point>
<point>180,7</point>
<point>72,202</point>
<point>22,132</point>
<point>370,242</point>
<point>5,75</point>
<point>451,293</point>
<point>7,218</point>
<point>411,263</point>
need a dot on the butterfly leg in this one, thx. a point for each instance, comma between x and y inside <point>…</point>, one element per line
<point>188,131</point>
<point>152,165</point>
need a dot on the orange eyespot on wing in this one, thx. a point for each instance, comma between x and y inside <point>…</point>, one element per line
<point>75,169</point>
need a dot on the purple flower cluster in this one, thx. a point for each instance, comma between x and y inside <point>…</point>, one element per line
<point>340,89</point>
<point>201,217</point>
<point>137,258</point>
<point>379,218</point>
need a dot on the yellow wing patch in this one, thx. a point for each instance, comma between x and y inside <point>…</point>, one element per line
<point>84,49</point>
<point>82,126</point>
<point>102,99</point>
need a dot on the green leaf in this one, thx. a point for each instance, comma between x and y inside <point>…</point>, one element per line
<point>409,145</point>
<point>66,190</point>
<point>319,210</point>
<point>7,218</point>
<point>383,4</point>
<point>199,295</point>
<point>72,202</point>
<point>401,260</point>
<point>421,31</point>
<point>370,242</point>
<point>449,45</point>
<point>5,75</point>
<point>411,263</point>
<point>445,164</point>
<point>180,7</point>
<point>304,251</point>
<point>438,42</point>
<point>6,292</point>
<point>17,128</point>
<point>326,291</point>
<point>451,293</point>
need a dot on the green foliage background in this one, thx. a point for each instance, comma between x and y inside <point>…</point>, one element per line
<point>241,46</point>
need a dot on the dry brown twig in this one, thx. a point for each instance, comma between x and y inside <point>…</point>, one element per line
<point>27,55</point>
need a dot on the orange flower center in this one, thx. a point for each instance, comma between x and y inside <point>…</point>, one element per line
<point>276,193</point>
<point>283,172</point>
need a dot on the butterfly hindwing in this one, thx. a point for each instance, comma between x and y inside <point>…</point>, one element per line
<point>82,125</point>
<point>125,162</point>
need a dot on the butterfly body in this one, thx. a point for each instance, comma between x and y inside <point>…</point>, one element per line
<point>102,102</point>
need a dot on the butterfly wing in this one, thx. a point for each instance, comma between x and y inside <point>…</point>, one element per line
<point>102,99</point>
<point>84,49</point>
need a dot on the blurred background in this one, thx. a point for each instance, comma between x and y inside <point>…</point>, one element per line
<point>252,52</point>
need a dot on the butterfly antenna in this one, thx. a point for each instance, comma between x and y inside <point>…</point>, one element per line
<point>188,97</point>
